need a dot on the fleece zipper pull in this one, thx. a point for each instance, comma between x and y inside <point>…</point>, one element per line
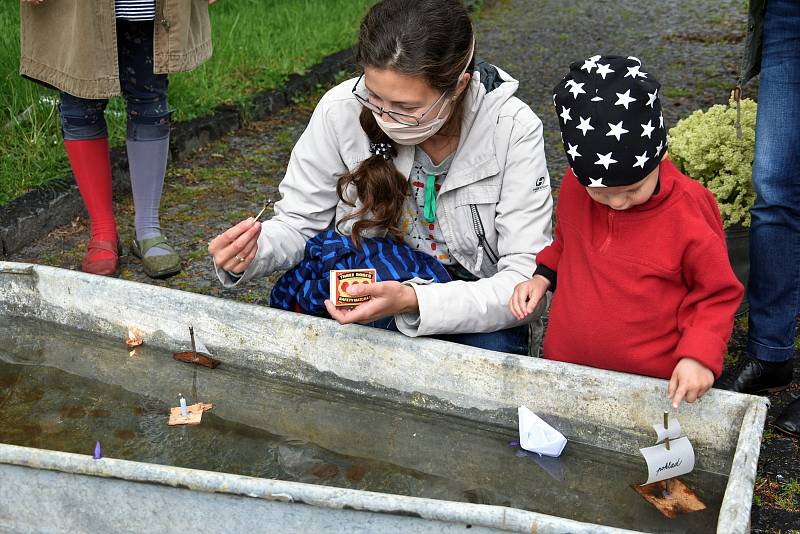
<point>429,211</point>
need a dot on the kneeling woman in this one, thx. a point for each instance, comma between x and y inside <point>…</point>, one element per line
<point>426,150</point>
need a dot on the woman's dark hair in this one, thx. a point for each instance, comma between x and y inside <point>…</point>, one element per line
<point>431,39</point>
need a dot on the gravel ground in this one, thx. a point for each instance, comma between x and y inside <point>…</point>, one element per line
<point>691,46</point>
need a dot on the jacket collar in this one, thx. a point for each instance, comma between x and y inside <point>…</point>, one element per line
<point>475,157</point>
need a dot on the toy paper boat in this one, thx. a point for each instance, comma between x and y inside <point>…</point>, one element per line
<point>672,455</point>
<point>537,436</point>
<point>199,355</point>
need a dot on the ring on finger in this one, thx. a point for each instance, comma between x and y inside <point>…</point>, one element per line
<point>239,258</point>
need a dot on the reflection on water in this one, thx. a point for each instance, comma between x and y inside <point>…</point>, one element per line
<point>63,390</point>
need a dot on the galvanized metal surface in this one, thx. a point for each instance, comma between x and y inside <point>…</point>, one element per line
<point>601,408</point>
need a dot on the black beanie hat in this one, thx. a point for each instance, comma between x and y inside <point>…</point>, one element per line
<point>611,123</point>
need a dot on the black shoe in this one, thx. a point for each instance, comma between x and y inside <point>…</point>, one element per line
<point>757,377</point>
<point>789,420</point>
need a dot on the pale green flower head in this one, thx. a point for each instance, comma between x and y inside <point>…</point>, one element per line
<point>704,146</point>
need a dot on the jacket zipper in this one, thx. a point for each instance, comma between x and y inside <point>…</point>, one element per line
<point>479,231</point>
<point>607,242</point>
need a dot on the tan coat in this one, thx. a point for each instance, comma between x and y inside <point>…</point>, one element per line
<point>72,44</point>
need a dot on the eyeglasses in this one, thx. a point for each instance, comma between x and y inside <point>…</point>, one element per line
<point>402,118</point>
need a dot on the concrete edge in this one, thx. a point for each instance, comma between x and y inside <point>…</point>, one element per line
<point>38,212</point>
<point>734,513</point>
<point>497,517</point>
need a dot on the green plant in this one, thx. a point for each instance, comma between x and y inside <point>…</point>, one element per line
<point>706,147</point>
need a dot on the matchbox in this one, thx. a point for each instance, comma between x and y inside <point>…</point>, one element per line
<point>340,280</point>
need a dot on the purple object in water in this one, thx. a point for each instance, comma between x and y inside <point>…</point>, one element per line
<point>521,454</point>
<point>513,443</point>
<point>98,452</point>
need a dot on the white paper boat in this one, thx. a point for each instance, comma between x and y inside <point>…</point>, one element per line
<point>537,436</point>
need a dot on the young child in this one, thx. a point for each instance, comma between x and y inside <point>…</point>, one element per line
<point>644,281</point>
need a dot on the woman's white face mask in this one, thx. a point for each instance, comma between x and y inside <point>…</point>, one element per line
<point>403,134</point>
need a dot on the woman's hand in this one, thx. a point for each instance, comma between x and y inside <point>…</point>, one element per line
<point>235,249</point>
<point>690,380</point>
<point>388,299</point>
<point>527,295</point>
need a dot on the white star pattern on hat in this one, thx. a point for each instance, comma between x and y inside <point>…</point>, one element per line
<point>641,160</point>
<point>636,59</point>
<point>661,121</point>
<point>624,99</point>
<point>565,114</point>
<point>605,160</point>
<point>602,69</point>
<point>658,148</point>
<point>576,89</point>
<point>573,151</point>
<point>588,65</point>
<point>584,126</point>
<point>596,183</point>
<point>634,72</point>
<point>652,100</point>
<point>596,97</point>
<point>647,130</point>
<point>616,130</point>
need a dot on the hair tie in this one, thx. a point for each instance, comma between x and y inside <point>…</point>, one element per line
<point>383,150</point>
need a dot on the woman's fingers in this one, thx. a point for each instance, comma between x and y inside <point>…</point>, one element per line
<point>226,247</point>
<point>230,235</point>
<point>241,261</point>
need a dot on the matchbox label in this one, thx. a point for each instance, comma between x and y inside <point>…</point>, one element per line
<point>341,280</point>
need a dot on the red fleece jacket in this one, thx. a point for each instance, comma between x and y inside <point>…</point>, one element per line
<point>637,290</point>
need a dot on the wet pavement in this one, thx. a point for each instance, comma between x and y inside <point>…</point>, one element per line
<point>692,47</point>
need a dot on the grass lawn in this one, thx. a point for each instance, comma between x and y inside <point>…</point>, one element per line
<point>257,44</point>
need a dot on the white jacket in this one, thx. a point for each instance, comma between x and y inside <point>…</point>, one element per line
<point>497,179</point>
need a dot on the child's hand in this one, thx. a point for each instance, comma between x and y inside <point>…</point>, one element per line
<point>527,295</point>
<point>690,380</point>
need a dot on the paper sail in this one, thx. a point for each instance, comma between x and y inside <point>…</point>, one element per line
<point>202,349</point>
<point>663,464</point>
<point>673,432</point>
<point>537,436</point>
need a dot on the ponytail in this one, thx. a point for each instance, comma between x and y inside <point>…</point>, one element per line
<point>381,189</point>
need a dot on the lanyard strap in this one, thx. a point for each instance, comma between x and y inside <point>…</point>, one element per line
<point>429,211</point>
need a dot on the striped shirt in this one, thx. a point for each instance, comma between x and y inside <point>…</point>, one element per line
<point>135,9</point>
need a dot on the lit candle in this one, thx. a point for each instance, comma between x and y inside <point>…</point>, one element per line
<point>183,406</point>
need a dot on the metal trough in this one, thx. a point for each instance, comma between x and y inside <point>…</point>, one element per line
<point>60,492</point>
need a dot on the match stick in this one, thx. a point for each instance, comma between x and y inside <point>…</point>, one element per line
<point>261,212</point>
